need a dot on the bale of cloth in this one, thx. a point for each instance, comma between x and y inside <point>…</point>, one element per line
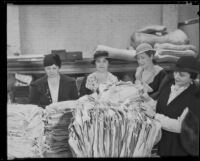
<point>169,46</point>
<point>173,51</point>
<point>57,119</point>
<point>177,37</point>
<point>116,53</point>
<point>25,131</point>
<point>103,128</point>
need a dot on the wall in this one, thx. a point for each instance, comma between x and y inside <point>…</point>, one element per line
<point>187,12</point>
<point>82,27</point>
<point>13,33</point>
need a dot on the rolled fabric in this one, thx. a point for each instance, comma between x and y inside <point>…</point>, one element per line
<point>169,46</point>
<point>177,53</point>
<point>177,37</point>
<point>115,53</point>
<point>153,29</point>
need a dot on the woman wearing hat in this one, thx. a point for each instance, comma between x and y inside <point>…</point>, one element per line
<point>149,74</point>
<point>53,87</point>
<point>101,76</point>
<point>177,96</point>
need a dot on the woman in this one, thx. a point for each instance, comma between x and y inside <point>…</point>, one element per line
<point>53,87</point>
<point>101,77</point>
<point>149,74</point>
<point>177,97</point>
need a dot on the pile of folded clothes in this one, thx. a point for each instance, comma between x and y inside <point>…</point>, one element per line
<point>169,46</point>
<point>57,118</point>
<point>25,131</point>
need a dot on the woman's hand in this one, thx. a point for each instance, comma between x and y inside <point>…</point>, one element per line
<point>145,97</point>
<point>150,112</point>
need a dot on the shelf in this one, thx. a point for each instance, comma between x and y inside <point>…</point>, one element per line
<point>77,67</point>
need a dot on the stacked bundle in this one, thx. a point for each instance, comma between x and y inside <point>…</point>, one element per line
<point>169,46</point>
<point>25,131</point>
<point>57,118</point>
<point>106,129</point>
<point>171,51</point>
<point>119,54</point>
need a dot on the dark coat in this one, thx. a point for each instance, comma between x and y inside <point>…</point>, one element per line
<point>170,143</point>
<point>41,96</point>
<point>156,83</point>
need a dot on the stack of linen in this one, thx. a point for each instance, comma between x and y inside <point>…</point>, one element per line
<point>57,119</point>
<point>25,130</point>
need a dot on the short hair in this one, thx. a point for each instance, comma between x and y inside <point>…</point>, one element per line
<point>101,54</point>
<point>51,59</point>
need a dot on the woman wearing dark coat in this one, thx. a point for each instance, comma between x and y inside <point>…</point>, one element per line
<point>177,96</point>
<point>53,87</point>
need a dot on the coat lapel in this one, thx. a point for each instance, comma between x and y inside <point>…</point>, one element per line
<point>177,98</point>
<point>47,90</point>
<point>62,93</point>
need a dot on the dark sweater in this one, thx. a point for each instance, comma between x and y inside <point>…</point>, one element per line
<point>41,96</point>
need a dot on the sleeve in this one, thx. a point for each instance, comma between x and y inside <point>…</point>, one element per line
<point>163,78</point>
<point>74,91</point>
<point>169,124</point>
<point>83,89</point>
<point>34,95</point>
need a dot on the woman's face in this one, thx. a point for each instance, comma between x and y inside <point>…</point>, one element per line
<point>144,60</point>
<point>182,78</point>
<point>52,71</point>
<point>102,64</point>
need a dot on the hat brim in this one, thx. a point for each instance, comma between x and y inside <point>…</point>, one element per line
<point>174,68</point>
<point>138,53</point>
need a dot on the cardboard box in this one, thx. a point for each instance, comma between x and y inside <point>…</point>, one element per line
<point>68,56</point>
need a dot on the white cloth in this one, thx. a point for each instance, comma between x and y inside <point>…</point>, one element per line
<point>175,91</point>
<point>169,124</point>
<point>54,92</point>
<point>93,83</point>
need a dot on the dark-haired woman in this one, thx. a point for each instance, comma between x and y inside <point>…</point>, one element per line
<point>177,96</point>
<point>53,87</point>
<point>100,77</point>
<point>148,73</point>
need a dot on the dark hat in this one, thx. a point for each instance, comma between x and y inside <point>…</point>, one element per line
<point>51,59</point>
<point>101,54</point>
<point>143,47</point>
<point>186,64</point>
<point>190,133</point>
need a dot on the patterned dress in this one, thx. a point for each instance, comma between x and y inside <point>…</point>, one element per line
<point>91,83</point>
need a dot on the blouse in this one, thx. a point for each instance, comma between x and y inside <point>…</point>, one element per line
<point>93,83</point>
<point>153,81</point>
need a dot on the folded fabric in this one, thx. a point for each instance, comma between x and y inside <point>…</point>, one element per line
<point>177,37</point>
<point>169,46</point>
<point>176,53</point>
<point>120,54</point>
<point>152,29</point>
